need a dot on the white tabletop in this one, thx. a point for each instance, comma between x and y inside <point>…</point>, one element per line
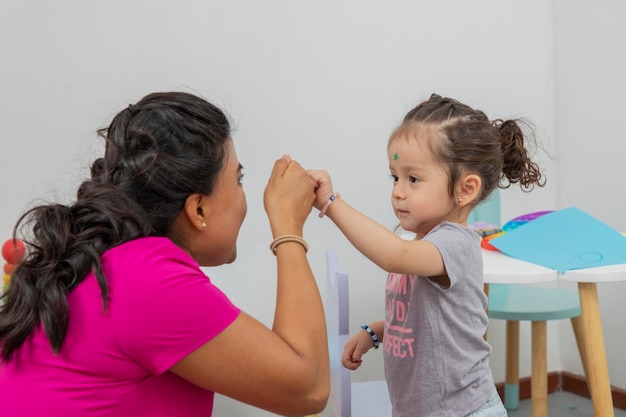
<point>500,268</point>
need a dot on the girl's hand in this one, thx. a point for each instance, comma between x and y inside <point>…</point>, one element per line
<point>323,187</point>
<point>354,349</point>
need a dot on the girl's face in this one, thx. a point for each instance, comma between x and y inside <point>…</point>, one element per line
<point>225,210</point>
<point>420,197</point>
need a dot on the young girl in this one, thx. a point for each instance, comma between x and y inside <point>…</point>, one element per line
<point>444,159</point>
<point>110,314</point>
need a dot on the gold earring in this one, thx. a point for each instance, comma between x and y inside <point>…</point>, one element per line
<point>203,225</point>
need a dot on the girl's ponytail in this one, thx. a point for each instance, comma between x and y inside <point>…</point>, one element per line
<point>517,167</point>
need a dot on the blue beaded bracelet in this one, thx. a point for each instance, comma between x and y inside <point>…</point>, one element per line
<point>371,333</point>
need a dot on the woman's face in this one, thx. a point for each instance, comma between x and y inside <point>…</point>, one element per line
<point>224,211</point>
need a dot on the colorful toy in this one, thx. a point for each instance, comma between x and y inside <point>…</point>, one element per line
<point>487,232</point>
<point>523,219</point>
<point>484,243</point>
<point>13,252</point>
<point>510,225</point>
<point>484,229</point>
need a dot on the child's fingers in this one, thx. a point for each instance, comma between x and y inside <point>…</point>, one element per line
<point>351,363</point>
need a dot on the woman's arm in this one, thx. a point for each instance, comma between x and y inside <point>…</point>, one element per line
<point>253,364</point>
<point>284,370</point>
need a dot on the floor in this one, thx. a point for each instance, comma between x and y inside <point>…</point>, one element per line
<point>562,404</point>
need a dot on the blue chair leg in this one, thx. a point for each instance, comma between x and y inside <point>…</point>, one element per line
<point>511,396</point>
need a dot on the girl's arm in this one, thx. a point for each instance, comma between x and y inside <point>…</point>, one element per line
<point>379,244</point>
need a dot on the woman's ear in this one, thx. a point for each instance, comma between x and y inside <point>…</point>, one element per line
<point>468,189</point>
<point>194,211</point>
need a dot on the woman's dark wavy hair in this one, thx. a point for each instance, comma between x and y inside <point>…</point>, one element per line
<point>467,141</point>
<point>158,152</point>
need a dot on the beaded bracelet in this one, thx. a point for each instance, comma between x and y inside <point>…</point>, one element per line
<point>288,238</point>
<point>328,203</point>
<point>371,333</point>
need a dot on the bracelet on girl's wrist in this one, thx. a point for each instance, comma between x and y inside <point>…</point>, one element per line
<point>369,330</point>
<point>328,203</point>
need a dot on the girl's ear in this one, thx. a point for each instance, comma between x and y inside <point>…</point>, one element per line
<point>194,211</point>
<point>468,189</point>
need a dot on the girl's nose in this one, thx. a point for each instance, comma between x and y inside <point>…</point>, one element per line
<point>397,193</point>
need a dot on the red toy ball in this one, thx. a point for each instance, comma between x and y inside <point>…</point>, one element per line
<point>13,251</point>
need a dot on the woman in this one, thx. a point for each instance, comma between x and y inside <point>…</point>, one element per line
<point>110,314</point>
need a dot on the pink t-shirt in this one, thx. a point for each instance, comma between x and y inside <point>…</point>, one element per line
<point>161,307</point>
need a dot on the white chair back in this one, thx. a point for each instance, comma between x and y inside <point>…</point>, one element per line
<point>359,399</point>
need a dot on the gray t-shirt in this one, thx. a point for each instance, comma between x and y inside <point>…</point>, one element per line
<point>436,359</point>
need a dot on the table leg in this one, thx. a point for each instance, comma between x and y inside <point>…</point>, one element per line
<point>486,289</point>
<point>511,381</point>
<point>577,326</point>
<point>595,351</point>
<point>539,373</point>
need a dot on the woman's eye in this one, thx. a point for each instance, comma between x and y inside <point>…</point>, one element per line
<point>240,181</point>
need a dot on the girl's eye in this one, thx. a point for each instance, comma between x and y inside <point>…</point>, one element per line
<point>394,178</point>
<point>413,179</point>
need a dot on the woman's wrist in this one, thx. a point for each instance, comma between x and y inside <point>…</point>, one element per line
<point>286,232</point>
<point>282,228</point>
<point>288,239</point>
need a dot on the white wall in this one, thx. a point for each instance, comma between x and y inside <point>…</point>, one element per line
<point>589,100</point>
<point>325,81</point>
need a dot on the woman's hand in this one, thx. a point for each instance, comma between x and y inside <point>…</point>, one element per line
<point>288,197</point>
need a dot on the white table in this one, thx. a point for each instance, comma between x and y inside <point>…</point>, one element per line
<point>500,268</point>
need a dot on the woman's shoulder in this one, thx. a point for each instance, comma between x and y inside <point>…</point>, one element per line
<point>145,243</point>
<point>147,246</point>
<point>147,255</point>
